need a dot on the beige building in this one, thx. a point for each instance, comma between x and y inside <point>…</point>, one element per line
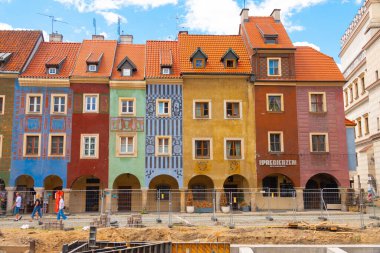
<point>360,54</point>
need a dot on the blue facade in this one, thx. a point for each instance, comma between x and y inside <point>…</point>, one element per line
<point>350,132</point>
<point>164,126</point>
<point>39,168</point>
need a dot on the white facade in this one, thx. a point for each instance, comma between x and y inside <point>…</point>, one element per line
<point>360,56</point>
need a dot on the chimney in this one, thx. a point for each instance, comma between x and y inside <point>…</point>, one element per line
<point>244,15</point>
<point>183,32</point>
<point>55,37</point>
<point>126,39</point>
<point>276,14</point>
<point>97,37</point>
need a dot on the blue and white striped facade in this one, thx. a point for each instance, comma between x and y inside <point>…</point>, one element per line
<point>164,126</point>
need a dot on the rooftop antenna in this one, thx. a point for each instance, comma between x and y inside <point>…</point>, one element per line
<point>94,24</point>
<point>244,4</point>
<point>53,19</point>
<point>118,27</point>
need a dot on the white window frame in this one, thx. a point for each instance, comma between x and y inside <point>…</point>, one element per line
<point>125,73</point>
<point>279,66</point>
<point>82,143</point>
<point>157,153</point>
<point>92,68</point>
<point>211,148</point>
<point>3,105</point>
<point>240,109</point>
<point>1,145</point>
<point>164,100</point>
<point>52,103</point>
<point>242,148</point>
<point>85,103</point>
<point>51,141</point>
<point>326,142</point>
<point>166,71</point>
<point>52,71</point>
<point>121,100</point>
<point>118,144</point>
<point>324,101</point>
<point>281,140</point>
<point>25,144</point>
<point>28,96</point>
<point>202,101</point>
<point>282,101</point>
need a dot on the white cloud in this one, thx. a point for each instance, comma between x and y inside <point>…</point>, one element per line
<point>224,17</point>
<point>308,44</point>
<point>358,1</point>
<point>104,34</point>
<point>111,17</point>
<point>340,66</point>
<point>5,1</point>
<point>213,16</point>
<point>4,26</point>
<point>104,5</point>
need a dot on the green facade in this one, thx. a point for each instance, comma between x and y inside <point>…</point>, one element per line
<point>124,165</point>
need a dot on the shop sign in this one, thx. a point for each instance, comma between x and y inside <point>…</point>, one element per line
<point>278,163</point>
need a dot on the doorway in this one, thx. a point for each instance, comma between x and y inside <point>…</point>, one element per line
<point>92,198</point>
<point>124,202</point>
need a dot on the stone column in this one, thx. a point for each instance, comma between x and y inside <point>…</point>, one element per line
<point>10,201</point>
<point>253,200</point>
<point>343,199</point>
<point>217,199</point>
<point>66,196</point>
<point>299,199</point>
<point>108,201</point>
<point>183,199</point>
<point>144,198</point>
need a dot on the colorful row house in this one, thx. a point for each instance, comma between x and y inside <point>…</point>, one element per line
<point>204,112</point>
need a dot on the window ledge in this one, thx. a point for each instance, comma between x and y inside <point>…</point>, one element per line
<point>31,156</point>
<point>126,155</point>
<point>318,113</point>
<point>202,159</point>
<point>201,118</point>
<point>276,152</point>
<point>89,158</point>
<point>275,112</point>
<point>319,153</point>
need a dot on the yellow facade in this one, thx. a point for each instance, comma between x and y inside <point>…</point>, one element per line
<point>218,90</point>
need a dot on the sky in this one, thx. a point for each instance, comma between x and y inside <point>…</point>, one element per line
<point>319,23</point>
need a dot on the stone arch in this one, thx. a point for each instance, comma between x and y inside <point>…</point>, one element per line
<point>161,188</point>
<point>85,194</point>
<point>126,180</point>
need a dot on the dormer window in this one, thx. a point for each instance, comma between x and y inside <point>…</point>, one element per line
<point>230,59</point>
<point>126,67</point>
<point>93,61</point>
<point>52,71</point>
<point>4,58</point>
<point>199,59</point>
<point>166,71</point>
<point>268,33</point>
<point>92,68</point>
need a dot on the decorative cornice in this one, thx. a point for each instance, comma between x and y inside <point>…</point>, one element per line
<point>374,39</point>
<point>10,75</point>
<point>349,40</point>
<point>80,79</point>
<point>361,101</point>
<point>357,63</point>
<point>134,85</point>
<point>42,82</point>
<point>275,83</point>
<point>373,85</point>
<point>164,81</point>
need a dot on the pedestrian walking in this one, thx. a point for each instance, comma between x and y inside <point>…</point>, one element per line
<point>37,207</point>
<point>60,211</point>
<point>17,206</point>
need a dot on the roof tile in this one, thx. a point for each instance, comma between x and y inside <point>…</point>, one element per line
<point>134,52</point>
<point>215,47</point>
<point>53,53</point>
<point>153,58</point>
<point>21,47</point>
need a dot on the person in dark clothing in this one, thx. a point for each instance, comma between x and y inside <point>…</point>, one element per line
<point>37,207</point>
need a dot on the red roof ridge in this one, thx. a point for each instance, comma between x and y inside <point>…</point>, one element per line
<point>100,41</point>
<point>349,122</point>
<point>309,47</point>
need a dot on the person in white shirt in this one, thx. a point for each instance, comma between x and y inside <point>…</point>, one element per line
<point>60,211</point>
<point>17,206</point>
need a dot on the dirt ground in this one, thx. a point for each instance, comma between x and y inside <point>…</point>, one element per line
<point>52,241</point>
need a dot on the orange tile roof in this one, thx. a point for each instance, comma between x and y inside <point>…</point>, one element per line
<point>21,45</point>
<point>349,122</point>
<point>215,47</point>
<point>268,24</point>
<point>94,49</point>
<point>312,65</point>
<point>153,58</point>
<point>134,52</point>
<point>53,53</point>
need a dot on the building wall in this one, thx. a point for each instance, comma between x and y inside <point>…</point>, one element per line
<point>156,126</point>
<point>6,124</point>
<point>39,167</point>
<point>89,123</point>
<point>286,122</point>
<point>217,90</point>
<point>260,66</point>
<point>122,165</point>
<point>334,162</point>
